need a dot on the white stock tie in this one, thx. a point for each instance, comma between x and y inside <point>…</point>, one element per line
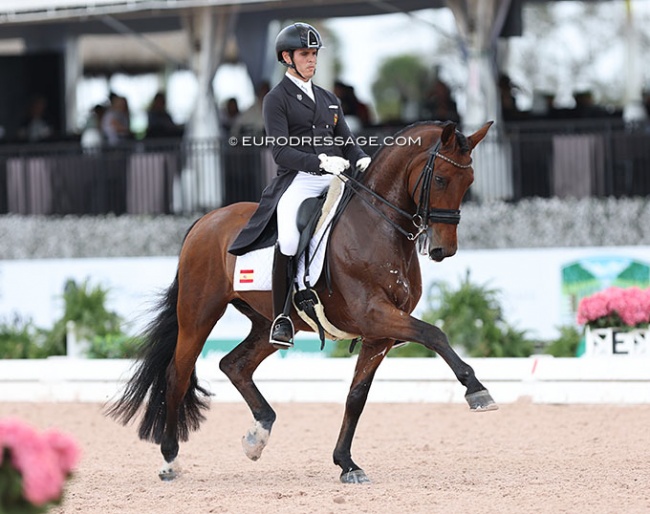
<point>308,91</point>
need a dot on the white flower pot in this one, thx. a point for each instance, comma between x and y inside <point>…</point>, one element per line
<point>617,341</point>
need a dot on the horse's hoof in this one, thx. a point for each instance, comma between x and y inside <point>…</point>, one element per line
<point>282,346</point>
<point>481,401</point>
<point>255,441</point>
<point>167,476</point>
<point>169,471</point>
<point>358,476</point>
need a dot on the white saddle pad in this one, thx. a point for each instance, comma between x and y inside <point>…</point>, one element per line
<point>253,271</point>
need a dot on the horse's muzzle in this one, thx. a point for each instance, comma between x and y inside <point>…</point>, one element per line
<point>438,253</point>
<point>436,246</point>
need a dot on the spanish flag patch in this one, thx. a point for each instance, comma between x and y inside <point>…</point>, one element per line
<point>246,276</point>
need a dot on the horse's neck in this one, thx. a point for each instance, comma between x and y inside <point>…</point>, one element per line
<point>388,179</point>
<point>366,214</point>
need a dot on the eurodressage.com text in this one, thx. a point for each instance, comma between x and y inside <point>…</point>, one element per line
<point>317,141</point>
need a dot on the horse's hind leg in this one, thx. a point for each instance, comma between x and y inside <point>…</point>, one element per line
<point>370,356</point>
<point>239,366</point>
<point>195,325</point>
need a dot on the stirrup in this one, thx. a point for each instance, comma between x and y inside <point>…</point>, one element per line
<point>282,333</point>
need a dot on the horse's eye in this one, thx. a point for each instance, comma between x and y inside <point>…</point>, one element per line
<point>440,181</point>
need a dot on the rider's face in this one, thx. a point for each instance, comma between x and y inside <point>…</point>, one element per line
<point>305,62</point>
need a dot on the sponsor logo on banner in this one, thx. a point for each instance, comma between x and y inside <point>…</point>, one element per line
<point>595,273</point>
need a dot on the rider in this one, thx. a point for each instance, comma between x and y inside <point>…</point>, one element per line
<point>311,141</point>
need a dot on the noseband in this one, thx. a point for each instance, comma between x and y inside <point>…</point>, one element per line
<point>424,214</point>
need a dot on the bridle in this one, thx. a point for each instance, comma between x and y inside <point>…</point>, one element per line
<point>424,214</point>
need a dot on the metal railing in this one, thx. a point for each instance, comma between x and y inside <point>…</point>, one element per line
<point>579,158</point>
<point>153,177</point>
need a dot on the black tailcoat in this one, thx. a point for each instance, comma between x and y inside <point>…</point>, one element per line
<point>299,129</point>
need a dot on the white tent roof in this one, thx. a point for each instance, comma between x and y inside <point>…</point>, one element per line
<point>30,11</point>
<point>17,8</point>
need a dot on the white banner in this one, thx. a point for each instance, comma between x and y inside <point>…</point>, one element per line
<point>534,285</point>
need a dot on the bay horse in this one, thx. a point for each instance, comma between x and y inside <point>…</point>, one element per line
<point>409,197</point>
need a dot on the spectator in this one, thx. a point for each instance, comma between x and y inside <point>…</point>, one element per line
<point>91,137</point>
<point>586,107</point>
<point>356,112</point>
<point>116,121</point>
<point>509,110</point>
<point>251,121</point>
<point>646,104</point>
<point>438,103</point>
<point>159,121</point>
<point>229,115</point>
<point>249,171</point>
<point>35,127</point>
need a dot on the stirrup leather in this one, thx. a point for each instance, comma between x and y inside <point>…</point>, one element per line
<point>279,336</point>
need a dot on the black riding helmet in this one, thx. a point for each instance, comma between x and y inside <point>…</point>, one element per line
<point>297,35</point>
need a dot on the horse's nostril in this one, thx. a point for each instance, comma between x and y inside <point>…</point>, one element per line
<point>436,254</point>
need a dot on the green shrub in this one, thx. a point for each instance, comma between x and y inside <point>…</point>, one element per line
<point>566,345</point>
<point>17,338</point>
<point>85,307</point>
<point>472,319</point>
<point>113,346</point>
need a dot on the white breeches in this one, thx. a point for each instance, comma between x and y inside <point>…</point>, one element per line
<point>304,186</point>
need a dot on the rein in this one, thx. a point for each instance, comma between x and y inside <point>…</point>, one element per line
<point>424,214</point>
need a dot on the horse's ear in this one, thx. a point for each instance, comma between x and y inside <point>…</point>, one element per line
<point>448,132</point>
<point>478,136</point>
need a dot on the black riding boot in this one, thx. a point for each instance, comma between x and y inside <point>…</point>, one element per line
<point>282,328</point>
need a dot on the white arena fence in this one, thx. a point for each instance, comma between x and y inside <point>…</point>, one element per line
<point>540,379</point>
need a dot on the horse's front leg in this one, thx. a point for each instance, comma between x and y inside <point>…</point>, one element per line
<point>476,395</point>
<point>393,323</point>
<point>370,356</point>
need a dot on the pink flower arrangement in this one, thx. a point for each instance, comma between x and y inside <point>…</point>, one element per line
<point>616,307</point>
<point>33,466</point>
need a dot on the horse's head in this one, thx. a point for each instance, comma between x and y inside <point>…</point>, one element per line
<point>438,179</point>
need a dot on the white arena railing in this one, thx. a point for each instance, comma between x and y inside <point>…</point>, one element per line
<point>540,379</point>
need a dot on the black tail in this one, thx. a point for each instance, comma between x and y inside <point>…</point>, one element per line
<point>150,379</point>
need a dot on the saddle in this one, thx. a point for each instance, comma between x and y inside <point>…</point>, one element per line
<point>309,214</point>
<point>312,213</point>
